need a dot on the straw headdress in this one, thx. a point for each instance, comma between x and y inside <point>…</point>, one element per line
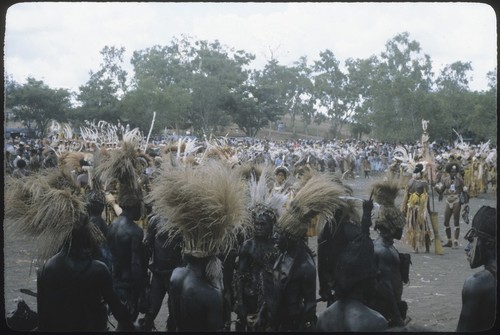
<point>71,159</point>
<point>206,204</point>
<point>247,170</point>
<point>47,207</point>
<point>321,195</point>
<point>389,216</point>
<point>125,166</point>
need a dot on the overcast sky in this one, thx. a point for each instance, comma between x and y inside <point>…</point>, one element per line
<point>60,42</point>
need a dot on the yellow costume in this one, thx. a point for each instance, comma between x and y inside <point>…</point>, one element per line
<point>418,231</point>
<point>469,181</point>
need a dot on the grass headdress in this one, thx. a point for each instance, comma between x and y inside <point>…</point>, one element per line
<point>206,204</point>
<point>389,216</point>
<point>124,165</point>
<point>321,195</point>
<point>47,207</point>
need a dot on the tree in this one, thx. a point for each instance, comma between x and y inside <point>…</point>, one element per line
<point>36,103</point>
<point>161,85</point>
<point>359,101</point>
<point>483,118</point>
<point>402,78</point>
<point>453,98</point>
<point>217,72</point>
<point>100,97</point>
<point>329,89</point>
<point>264,92</point>
<point>492,80</point>
<point>246,111</point>
<point>300,94</point>
<point>169,104</point>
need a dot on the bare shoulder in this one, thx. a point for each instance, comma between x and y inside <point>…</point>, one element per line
<point>482,282</point>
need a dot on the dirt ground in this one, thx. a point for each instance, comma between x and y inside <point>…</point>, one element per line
<point>433,293</point>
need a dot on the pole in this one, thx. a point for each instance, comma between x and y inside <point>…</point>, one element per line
<point>438,248</point>
<point>150,130</point>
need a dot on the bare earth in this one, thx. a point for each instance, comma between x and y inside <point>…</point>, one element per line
<point>433,293</point>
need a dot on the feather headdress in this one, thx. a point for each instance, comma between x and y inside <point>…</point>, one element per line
<point>319,196</point>
<point>406,159</point>
<point>206,204</point>
<point>389,216</point>
<point>47,207</point>
<point>263,202</point>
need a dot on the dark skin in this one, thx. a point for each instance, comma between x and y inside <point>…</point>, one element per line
<point>165,257</point>
<point>329,249</point>
<point>125,242</point>
<point>354,272</point>
<point>229,266</point>
<point>197,303</point>
<point>419,186</point>
<point>256,255</point>
<point>333,246</point>
<point>350,315</point>
<point>452,179</point>
<point>295,274</point>
<point>95,218</point>
<point>72,287</point>
<point>479,290</point>
<point>389,280</point>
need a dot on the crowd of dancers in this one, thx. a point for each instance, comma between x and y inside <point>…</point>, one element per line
<point>220,226</point>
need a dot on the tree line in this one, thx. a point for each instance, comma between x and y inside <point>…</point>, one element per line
<point>204,85</point>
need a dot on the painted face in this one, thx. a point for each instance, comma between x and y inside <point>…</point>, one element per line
<point>263,226</point>
<point>473,249</point>
<point>280,241</point>
<point>280,177</point>
<point>398,233</point>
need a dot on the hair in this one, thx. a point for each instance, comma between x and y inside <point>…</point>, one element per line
<point>95,202</point>
<point>484,221</point>
<point>83,238</point>
<point>418,168</point>
<point>450,166</point>
<point>281,169</point>
<point>21,163</point>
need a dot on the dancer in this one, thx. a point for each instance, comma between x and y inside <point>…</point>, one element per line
<point>417,208</point>
<point>257,256</point>
<point>207,230</point>
<point>74,288</point>
<point>393,266</point>
<point>479,293</point>
<point>451,186</point>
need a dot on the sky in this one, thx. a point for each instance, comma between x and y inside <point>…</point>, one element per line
<point>60,42</point>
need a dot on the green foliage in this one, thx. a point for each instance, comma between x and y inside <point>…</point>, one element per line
<point>482,120</point>
<point>205,85</point>
<point>100,97</point>
<point>260,101</point>
<point>330,89</point>
<point>36,103</point>
<point>401,79</point>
